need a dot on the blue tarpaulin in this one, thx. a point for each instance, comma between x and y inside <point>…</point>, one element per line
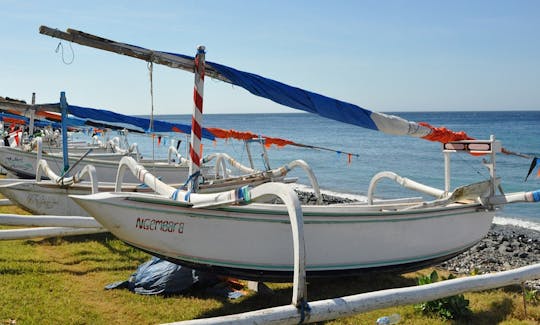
<point>158,276</point>
<point>142,124</point>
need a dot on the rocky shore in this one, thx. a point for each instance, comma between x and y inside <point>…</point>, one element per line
<point>505,247</point>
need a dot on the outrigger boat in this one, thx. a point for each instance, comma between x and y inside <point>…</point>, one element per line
<point>50,196</point>
<point>232,233</point>
<point>241,232</point>
<point>23,161</point>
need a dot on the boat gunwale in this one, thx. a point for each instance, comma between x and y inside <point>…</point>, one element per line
<point>245,212</point>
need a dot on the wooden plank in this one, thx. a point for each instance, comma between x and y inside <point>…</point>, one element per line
<point>21,107</point>
<point>133,51</point>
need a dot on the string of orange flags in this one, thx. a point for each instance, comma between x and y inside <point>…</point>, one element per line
<point>444,135</point>
<point>440,134</point>
<point>272,141</point>
<point>216,132</point>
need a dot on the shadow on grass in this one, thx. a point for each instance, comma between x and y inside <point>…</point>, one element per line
<point>498,312</point>
<point>318,289</point>
<point>321,289</point>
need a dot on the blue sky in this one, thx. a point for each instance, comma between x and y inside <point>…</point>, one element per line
<point>381,55</point>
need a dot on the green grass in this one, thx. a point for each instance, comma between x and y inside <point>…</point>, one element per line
<point>61,281</point>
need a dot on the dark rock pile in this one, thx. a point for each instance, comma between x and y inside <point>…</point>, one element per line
<point>504,248</point>
<point>310,198</point>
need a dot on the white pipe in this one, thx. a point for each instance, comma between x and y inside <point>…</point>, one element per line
<point>88,170</point>
<point>250,157</point>
<point>39,148</point>
<point>4,202</point>
<point>135,148</point>
<point>173,152</point>
<point>231,161</point>
<point>314,183</point>
<point>403,181</point>
<point>277,172</point>
<point>328,309</point>
<point>142,175</point>
<point>290,198</point>
<point>42,232</point>
<point>447,172</point>
<point>221,163</point>
<point>533,196</point>
<point>48,221</point>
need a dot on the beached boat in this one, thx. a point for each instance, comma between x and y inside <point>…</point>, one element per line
<point>240,232</point>
<point>50,196</point>
<point>231,233</point>
<point>23,164</point>
<point>22,161</point>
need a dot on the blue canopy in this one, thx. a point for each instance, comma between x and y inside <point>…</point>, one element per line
<point>306,100</point>
<point>131,122</point>
<point>297,98</point>
<point>276,91</point>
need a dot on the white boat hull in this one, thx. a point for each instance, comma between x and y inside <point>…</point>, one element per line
<point>48,198</point>
<point>23,164</point>
<point>254,241</point>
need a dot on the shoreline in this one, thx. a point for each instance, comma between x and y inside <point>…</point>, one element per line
<point>505,247</point>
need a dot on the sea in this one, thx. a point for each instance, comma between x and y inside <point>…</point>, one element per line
<point>357,154</point>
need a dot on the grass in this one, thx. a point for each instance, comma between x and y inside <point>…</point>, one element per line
<point>61,281</point>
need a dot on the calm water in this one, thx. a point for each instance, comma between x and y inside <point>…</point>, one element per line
<point>418,159</point>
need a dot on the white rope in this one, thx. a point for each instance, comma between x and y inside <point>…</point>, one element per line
<point>61,47</point>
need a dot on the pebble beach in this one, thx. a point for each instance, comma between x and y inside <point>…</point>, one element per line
<point>505,247</point>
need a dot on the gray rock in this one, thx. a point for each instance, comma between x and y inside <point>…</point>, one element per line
<point>503,248</point>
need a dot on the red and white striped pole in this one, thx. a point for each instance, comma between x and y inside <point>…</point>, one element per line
<point>196,120</point>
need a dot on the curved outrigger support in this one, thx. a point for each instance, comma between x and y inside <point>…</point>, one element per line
<point>43,167</point>
<point>133,149</point>
<point>272,174</point>
<point>244,195</point>
<point>173,152</point>
<point>481,191</point>
<point>403,181</point>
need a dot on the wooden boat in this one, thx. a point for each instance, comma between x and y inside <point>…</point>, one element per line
<point>50,198</point>
<point>23,164</point>
<point>22,161</point>
<point>233,234</point>
<point>254,241</point>
<point>239,232</point>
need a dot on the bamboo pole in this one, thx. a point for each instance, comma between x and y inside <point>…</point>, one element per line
<point>170,60</point>
<point>4,202</point>
<point>324,310</point>
<point>48,221</point>
<point>43,232</point>
<point>22,107</point>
